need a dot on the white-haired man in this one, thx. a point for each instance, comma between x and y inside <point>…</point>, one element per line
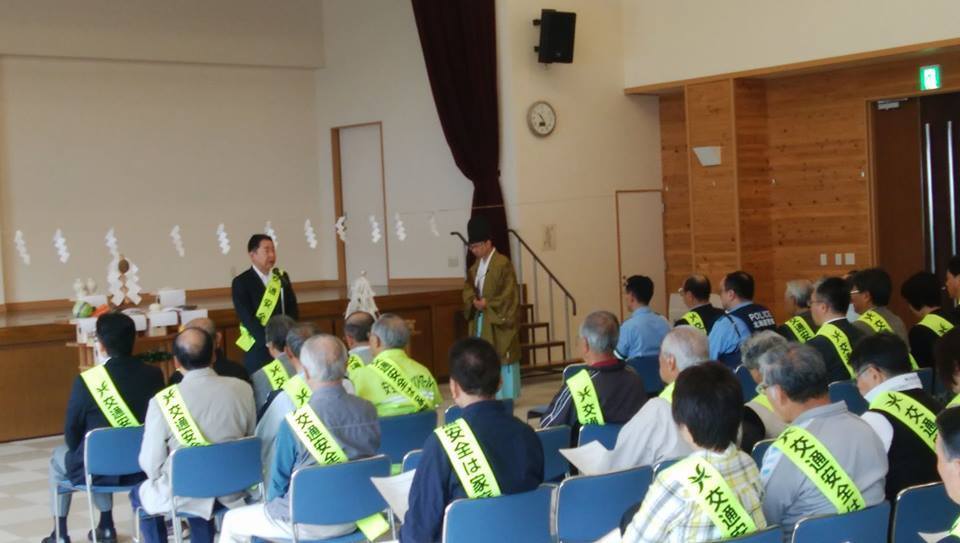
<point>348,421</point>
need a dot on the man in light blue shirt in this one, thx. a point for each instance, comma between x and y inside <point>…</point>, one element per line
<point>643,332</point>
<point>742,319</point>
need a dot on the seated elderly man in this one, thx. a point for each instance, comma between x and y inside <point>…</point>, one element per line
<point>828,460</point>
<point>800,327</point>
<point>356,333</point>
<point>607,390</point>
<point>275,373</point>
<point>707,408</point>
<point>349,421</point>
<point>652,436</point>
<point>221,364</point>
<point>203,409</point>
<point>759,420</point>
<point>394,382</point>
<point>901,412</point>
<point>501,446</point>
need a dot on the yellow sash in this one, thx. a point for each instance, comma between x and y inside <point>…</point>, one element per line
<point>585,398</point>
<point>354,362</point>
<point>911,413</point>
<point>762,399</point>
<point>938,324</point>
<point>714,495</point>
<point>468,461</point>
<point>108,398</point>
<point>816,462</point>
<point>390,372</point>
<point>667,393</point>
<point>269,300</point>
<point>178,418</point>
<point>801,330</point>
<point>693,319</point>
<point>954,402</point>
<point>298,390</point>
<point>276,374</point>
<point>840,342</point>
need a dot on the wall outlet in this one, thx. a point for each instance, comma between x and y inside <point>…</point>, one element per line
<point>850,259</point>
<point>549,238</point>
<point>453,262</point>
<point>823,259</point>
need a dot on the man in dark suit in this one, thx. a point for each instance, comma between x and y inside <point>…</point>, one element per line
<point>266,287</point>
<point>222,365</point>
<point>836,336</point>
<point>696,296</point>
<point>135,382</point>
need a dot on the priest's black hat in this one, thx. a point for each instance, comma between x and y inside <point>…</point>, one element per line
<point>478,229</point>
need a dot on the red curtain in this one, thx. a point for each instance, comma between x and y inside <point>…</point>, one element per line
<point>459,43</point>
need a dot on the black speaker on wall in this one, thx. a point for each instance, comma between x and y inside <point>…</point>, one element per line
<point>556,36</point>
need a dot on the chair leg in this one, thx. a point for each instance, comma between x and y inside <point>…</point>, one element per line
<point>93,526</point>
<point>393,524</point>
<point>135,529</point>
<point>177,528</point>
<point>56,513</point>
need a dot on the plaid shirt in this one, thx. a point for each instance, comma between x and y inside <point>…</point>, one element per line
<point>670,513</point>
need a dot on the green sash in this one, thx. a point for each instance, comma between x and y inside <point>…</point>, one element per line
<point>840,342</point>
<point>108,398</point>
<point>911,413</point>
<point>276,374</point>
<point>801,330</point>
<point>714,495</point>
<point>322,446</point>
<point>354,362</point>
<point>954,402</point>
<point>391,374</point>
<point>178,418</point>
<point>955,529</point>
<point>693,319</point>
<point>878,324</point>
<point>585,398</point>
<point>270,296</point>
<point>763,400</point>
<point>814,460</point>
<point>667,393</point>
<point>298,390</point>
<point>468,461</point>
<point>938,324</point>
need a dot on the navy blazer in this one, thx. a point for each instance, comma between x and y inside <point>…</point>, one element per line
<point>247,290</point>
<point>136,382</point>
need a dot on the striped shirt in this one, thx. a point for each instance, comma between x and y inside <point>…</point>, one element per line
<point>671,514</point>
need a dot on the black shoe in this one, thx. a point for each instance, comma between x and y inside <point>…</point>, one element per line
<point>52,538</point>
<point>104,535</point>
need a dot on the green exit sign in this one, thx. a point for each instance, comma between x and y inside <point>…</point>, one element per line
<point>930,77</point>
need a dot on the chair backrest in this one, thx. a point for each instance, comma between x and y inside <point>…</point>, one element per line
<point>454,412</point>
<point>514,517</point>
<point>663,465</point>
<point>404,433</point>
<point>411,460</point>
<point>747,383</point>
<point>216,470</point>
<point>112,451</point>
<point>589,506</point>
<point>868,525</point>
<point>923,508</point>
<point>847,392</point>
<point>606,434</point>
<point>769,535</point>
<point>760,449</point>
<point>317,493</point>
<point>926,378</point>
<point>555,465</point>
<point>649,369</point>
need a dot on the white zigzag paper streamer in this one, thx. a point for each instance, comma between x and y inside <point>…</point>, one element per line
<point>111,241</point>
<point>433,225</point>
<point>268,230</point>
<point>222,239</point>
<point>177,241</point>
<point>310,234</point>
<point>60,243</point>
<point>341,228</point>
<point>375,234</point>
<point>21,247</point>
<point>401,230</point>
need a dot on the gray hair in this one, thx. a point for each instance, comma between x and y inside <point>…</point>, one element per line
<point>797,369</point>
<point>687,345</point>
<point>601,330</point>
<point>392,331</point>
<point>298,335</point>
<point>324,357</point>
<point>756,345</point>
<point>800,290</point>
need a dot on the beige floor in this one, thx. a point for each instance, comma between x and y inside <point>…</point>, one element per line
<point>25,499</point>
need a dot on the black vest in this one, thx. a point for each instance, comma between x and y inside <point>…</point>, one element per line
<point>708,314</point>
<point>756,316</point>
<point>911,461</point>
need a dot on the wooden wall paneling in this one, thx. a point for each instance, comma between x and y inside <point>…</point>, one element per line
<point>678,251</point>
<point>47,368</point>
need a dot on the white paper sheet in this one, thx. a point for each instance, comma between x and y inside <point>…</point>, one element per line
<point>163,318</point>
<point>932,537</point>
<point>590,459</point>
<point>396,491</point>
<point>612,537</point>
<point>188,315</point>
<point>172,297</point>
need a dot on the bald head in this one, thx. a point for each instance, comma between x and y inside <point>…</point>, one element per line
<point>357,326</point>
<point>193,349</point>
<point>324,358</point>
<point>205,324</point>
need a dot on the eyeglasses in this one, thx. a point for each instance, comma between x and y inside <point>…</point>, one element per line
<point>863,370</point>
<point>762,389</point>
<point>854,291</point>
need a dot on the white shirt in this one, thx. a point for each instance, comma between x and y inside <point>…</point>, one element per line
<point>879,423</point>
<point>265,277</point>
<point>482,271</point>
<point>648,438</point>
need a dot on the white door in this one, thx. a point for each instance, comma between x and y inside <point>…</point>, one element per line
<point>361,177</point>
<point>640,227</point>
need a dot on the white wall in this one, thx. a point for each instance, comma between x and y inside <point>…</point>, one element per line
<point>679,39</point>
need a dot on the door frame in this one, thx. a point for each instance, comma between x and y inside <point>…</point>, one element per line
<point>616,209</point>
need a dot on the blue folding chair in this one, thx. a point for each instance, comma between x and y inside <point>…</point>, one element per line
<point>926,378</point>
<point>760,449</point>
<point>555,465</point>
<point>868,525</point>
<point>513,517</point>
<point>454,412</point>
<point>312,502</point>
<point>847,392</point>
<point>663,465</point>
<point>768,535</point>
<point>606,434</point>
<point>589,506</point>
<point>922,508</point>
<point>747,383</point>
<point>108,452</point>
<point>404,433</point>
<point>214,470</point>
<point>648,367</point>
<point>411,460</point>
<point>538,411</point>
